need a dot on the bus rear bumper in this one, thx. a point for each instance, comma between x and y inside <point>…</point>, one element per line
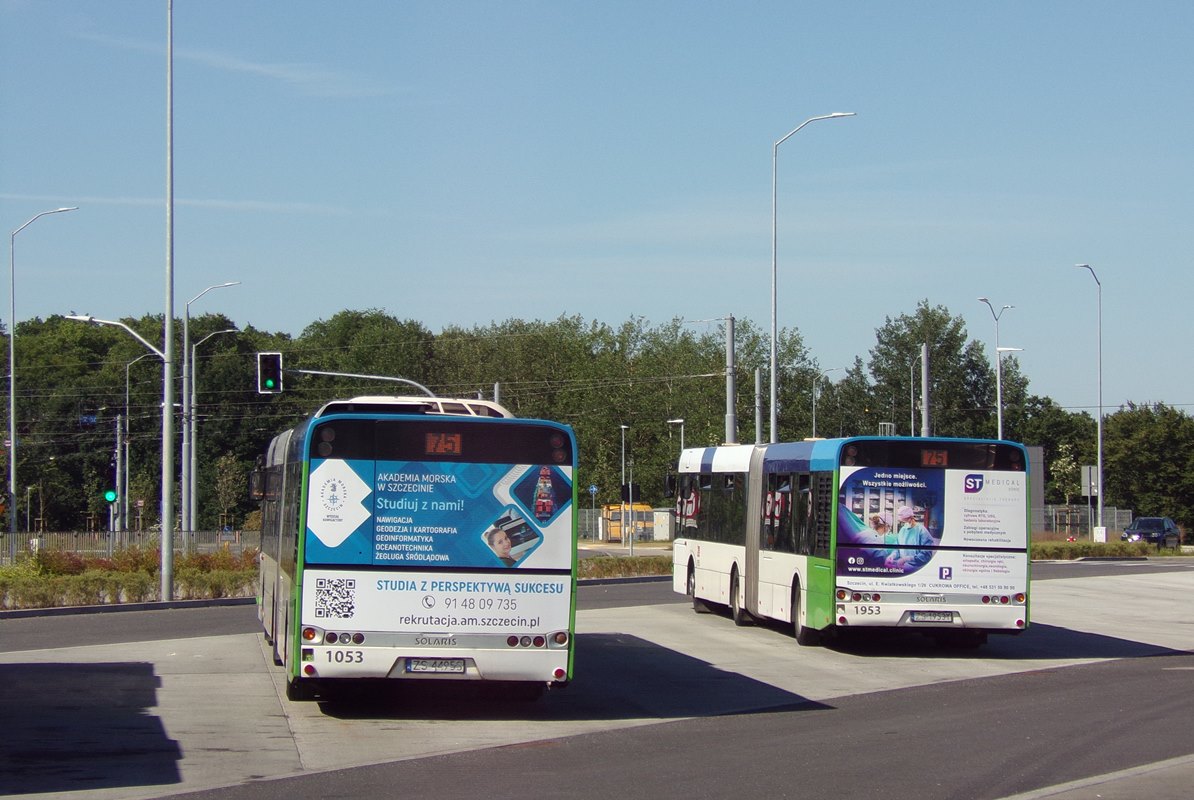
<point>548,666</point>
<point>1008,619</point>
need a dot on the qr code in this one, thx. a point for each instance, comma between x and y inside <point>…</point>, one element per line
<point>335,597</point>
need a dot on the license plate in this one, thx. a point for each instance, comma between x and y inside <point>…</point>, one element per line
<point>435,665</point>
<point>932,616</point>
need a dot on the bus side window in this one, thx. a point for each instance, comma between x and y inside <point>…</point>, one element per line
<point>767,523</point>
<point>802,517</point>
<point>784,539</point>
<point>735,506</point>
<point>777,513</point>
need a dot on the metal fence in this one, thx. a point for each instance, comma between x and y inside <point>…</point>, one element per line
<point>1062,522</point>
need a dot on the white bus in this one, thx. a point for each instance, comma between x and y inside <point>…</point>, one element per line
<point>921,534</point>
<point>416,539</point>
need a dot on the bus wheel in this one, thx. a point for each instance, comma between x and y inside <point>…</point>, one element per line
<point>805,636</point>
<point>740,615</point>
<point>698,605</point>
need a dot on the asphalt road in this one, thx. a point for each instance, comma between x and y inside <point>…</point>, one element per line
<point>666,704</point>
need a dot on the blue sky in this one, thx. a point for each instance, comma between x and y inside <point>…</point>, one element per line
<point>464,163</point>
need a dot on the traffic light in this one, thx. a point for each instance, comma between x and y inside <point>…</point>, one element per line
<point>269,373</point>
<point>110,495</point>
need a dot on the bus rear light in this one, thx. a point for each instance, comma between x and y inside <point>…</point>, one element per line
<point>512,641</point>
<point>856,597</point>
<point>560,637</point>
<point>540,641</point>
<point>1020,597</point>
<point>525,641</point>
<point>1019,623</point>
<point>309,634</point>
<point>843,621</point>
<point>842,594</point>
<point>330,638</point>
<point>309,670</point>
<point>986,600</point>
<point>559,674</point>
<point>1005,600</point>
<point>358,638</point>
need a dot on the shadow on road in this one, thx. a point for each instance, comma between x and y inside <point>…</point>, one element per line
<point>1040,641</point>
<point>621,677</point>
<point>70,727</point>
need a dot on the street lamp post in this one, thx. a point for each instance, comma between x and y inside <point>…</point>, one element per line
<point>167,582</point>
<point>192,429</point>
<point>998,367</point>
<point>816,380</point>
<point>12,376</point>
<point>188,521</point>
<point>124,486</point>
<point>774,353</point>
<point>999,351</point>
<point>623,490</point>
<point>680,422</point>
<point>1099,462</point>
<point>911,398</point>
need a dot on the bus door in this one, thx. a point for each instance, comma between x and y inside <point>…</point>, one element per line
<point>754,528</point>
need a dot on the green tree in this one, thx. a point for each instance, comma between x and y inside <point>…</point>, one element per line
<point>1148,461</point>
<point>1068,440</point>
<point>231,485</point>
<point>961,382</point>
<point>366,343</point>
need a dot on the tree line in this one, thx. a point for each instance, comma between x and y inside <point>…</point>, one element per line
<point>73,380</point>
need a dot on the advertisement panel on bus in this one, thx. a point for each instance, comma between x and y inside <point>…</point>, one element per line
<point>444,602</point>
<point>439,514</point>
<point>929,529</point>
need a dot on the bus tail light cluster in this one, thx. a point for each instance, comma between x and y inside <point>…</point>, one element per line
<point>858,597</point>
<point>557,639</point>
<point>1003,599</point>
<point>330,637</point>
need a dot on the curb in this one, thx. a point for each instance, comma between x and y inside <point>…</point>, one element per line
<point>114,608</point>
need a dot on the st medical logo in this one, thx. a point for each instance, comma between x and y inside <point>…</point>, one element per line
<point>972,484</point>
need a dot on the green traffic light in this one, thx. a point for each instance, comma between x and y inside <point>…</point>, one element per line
<point>110,495</point>
<point>269,383</point>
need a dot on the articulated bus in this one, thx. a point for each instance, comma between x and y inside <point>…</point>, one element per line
<point>419,539</point>
<point>923,534</point>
